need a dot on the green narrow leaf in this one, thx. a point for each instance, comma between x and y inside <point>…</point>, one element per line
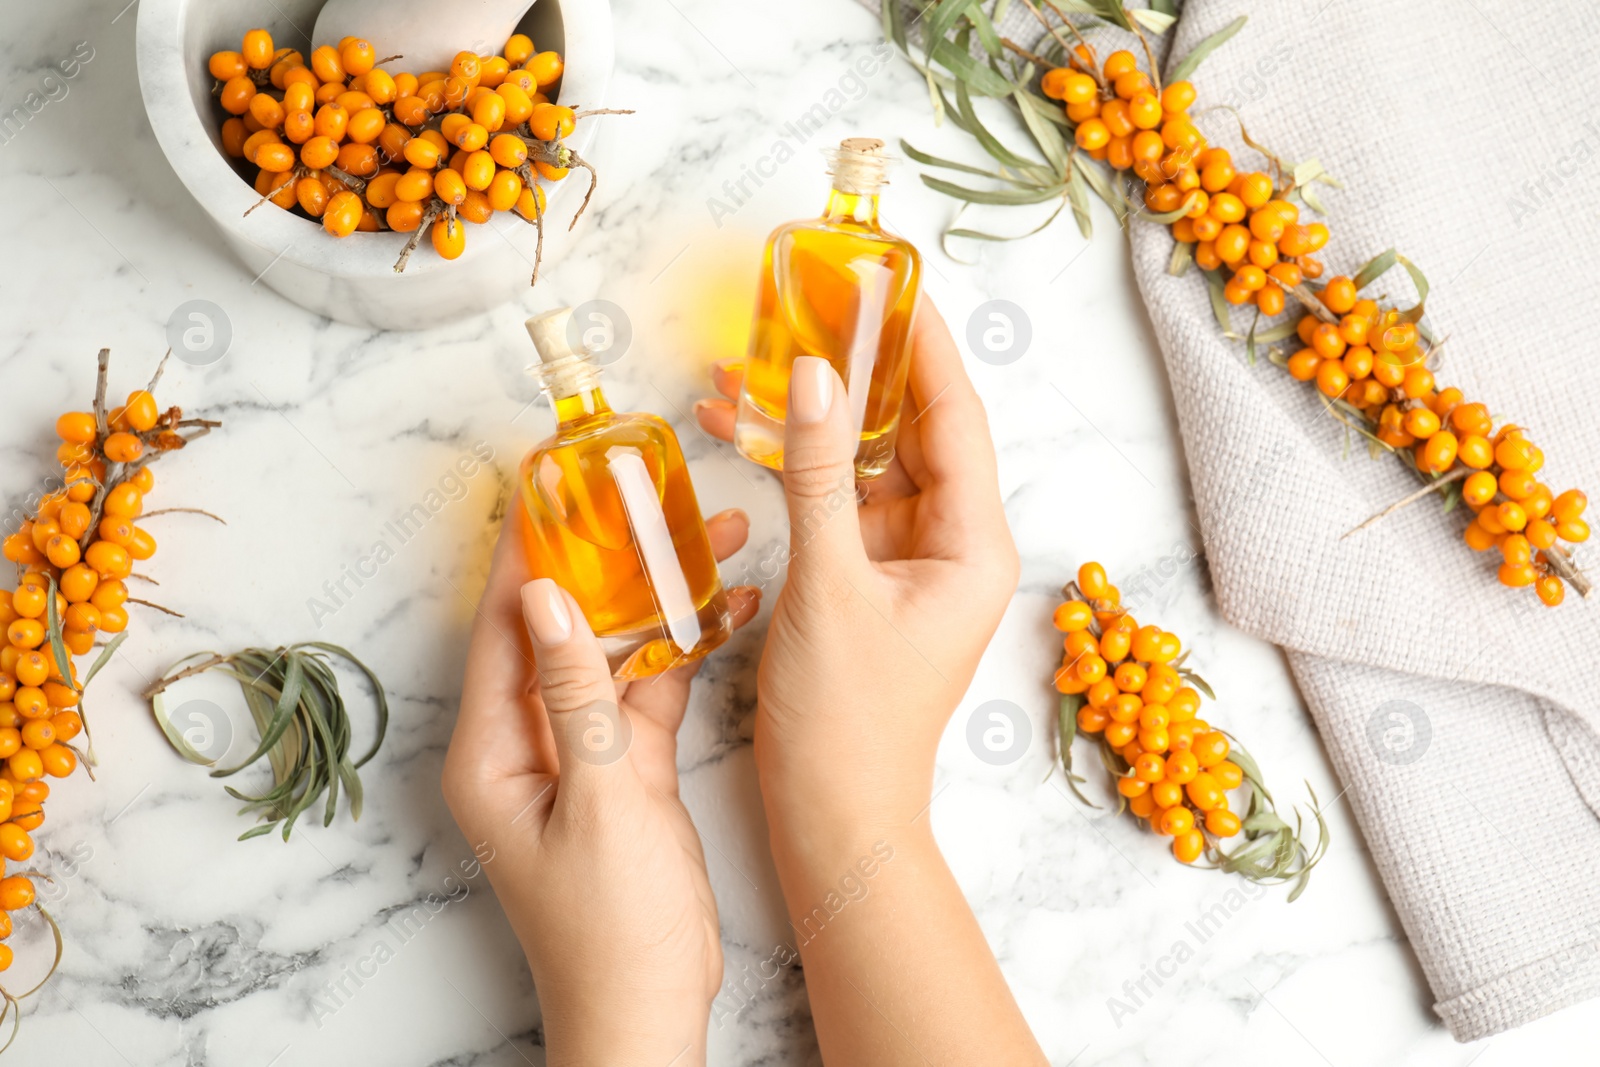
<point>1276,333</point>
<point>1078,195</point>
<point>945,14</point>
<point>1250,339</point>
<point>893,25</point>
<point>1186,66</point>
<point>947,164</point>
<point>1418,279</point>
<point>992,196</point>
<point>1151,19</point>
<point>969,71</point>
<point>1097,181</point>
<point>979,235</point>
<point>1182,257</point>
<point>1165,7</point>
<point>1374,268</point>
<point>987,37</point>
<point>1047,137</point>
<point>159,709</point>
<point>1219,303</point>
<point>992,144</point>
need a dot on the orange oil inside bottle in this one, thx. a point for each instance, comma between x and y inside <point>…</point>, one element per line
<point>842,288</point>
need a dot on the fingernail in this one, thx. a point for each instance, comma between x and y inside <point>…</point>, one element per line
<point>810,390</point>
<point>709,403</point>
<point>738,513</point>
<point>545,610</point>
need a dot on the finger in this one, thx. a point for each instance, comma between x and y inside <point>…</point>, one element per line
<point>499,719</point>
<point>957,452</point>
<point>662,700</point>
<point>727,375</point>
<point>579,696</point>
<point>819,449</point>
<point>728,531</point>
<point>716,417</point>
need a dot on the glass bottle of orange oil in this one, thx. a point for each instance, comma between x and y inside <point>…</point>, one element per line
<point>612,518</point>
<point>839,287</point>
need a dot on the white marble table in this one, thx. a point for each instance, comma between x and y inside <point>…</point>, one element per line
<point>185,947</point>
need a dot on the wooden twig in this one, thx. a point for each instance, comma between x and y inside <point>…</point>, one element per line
<point>160,685</point>
<point>1563,565</point>
<point>156,377</point>
<point>432,212</point>
<point>1432,487</point>
<point>576,115</point>
<point>1303,293</point>
<point>184,511</point>
<point>1066,48</point>
<point>1149,56</point>
<point>158,607</point>
<point>1031,57</point>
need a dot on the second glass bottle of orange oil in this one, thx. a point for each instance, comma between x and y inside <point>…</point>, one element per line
<point>612,518</point>
<point>842,288</point>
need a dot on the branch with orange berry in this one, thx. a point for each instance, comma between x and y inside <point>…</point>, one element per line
<point>1113,127</point>
<point>74,555</point>
<point>1128,687</point>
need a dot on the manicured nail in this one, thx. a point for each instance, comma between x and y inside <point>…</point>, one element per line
<point>810,390</point>
<point>545,609</point>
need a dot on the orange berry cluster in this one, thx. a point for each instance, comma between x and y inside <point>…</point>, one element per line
<point>1373,360</point>
<point>362,149</point>
<point>1357,353</point>
<point>1233,218</point>
<point>79,548</point>
<point>1175,768</point>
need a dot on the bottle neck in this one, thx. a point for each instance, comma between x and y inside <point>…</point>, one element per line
<point>857,207</point>
<point>579,408</point>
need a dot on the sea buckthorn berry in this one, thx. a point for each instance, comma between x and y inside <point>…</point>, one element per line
<point>1188,847</point>
<point>1211,748</point>
<point>1574,530</point>
<point>1518,485</point>
<point>1222,823</point>
<point>57,760</point>
<point>1132,786</point>
<point>108,560</point>
<point>16,892</point>
<point>1119,63</point>
<point>1327,342</point>
<point>1204,792</point>
<point>1513,453</point>
<point>449,237</point>
<point>1130,677</point>
<point>1177,820</point>
<point>1439,452</point>
<point>1072,615</point>
<point>1090,668</point>
<point>1114,644</point>
<point>1229,775</point>
<point>1517,575</point>
<point>123,500</point>
<point>1254,189</point>
<point>1092,581</point>
<point>1478,539</point>
<point>123,448</point>
<point>1417,383</point>
<point>1150,767</point>
<point>546,68</point>
<point>1421,422</point>
<point>1475,451</point>
<point>343,214</point>
<point>326,64</point>
<point>1332,381</point>
<point>256,49</point>
<point>1092,720</point>
<point>1120,733</point>
<point>357,57</point>
<point>1339,295</point>
<point>77,426</point>
<point>1569,505</point>
<point>1091,134</point>
<point>1471,419</point>
<point>1516,549</point>
<point>1177,97</point>
<point>1550,589</point>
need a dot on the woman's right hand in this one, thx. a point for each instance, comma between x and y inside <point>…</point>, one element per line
<point>886,609</point>
<point>873,642</point>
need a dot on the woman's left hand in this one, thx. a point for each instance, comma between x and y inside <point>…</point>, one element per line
<point>570,782</point>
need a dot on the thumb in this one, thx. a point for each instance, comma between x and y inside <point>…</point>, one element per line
<point>819,477</point>
<point>591,731</point>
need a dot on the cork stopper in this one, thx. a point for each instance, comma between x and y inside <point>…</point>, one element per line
<point>858,166</point>
<point>562,369</point>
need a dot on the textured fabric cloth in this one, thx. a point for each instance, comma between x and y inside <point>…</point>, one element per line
<point>1462,717</point>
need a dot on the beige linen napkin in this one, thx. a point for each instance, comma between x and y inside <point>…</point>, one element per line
<point>1461,716</point>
